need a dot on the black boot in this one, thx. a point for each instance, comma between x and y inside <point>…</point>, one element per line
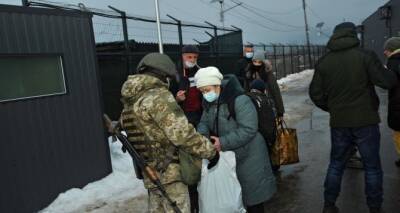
<point>330,209</point>
<point>375,210</point>
<point>397,163</point>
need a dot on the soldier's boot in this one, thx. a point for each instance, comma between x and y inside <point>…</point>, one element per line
<point>178,192</point>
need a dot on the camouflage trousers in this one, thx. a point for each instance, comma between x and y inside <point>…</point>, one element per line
<point>178,192</point>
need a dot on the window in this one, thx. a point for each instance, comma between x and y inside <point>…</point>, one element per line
<point>23,77</point>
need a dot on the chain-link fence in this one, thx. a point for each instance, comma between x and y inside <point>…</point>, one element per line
<point>122,40</point>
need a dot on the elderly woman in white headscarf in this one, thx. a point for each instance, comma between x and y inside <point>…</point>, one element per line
<point>237,132</point>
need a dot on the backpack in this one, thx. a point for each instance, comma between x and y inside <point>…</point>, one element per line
<point>266,115</point>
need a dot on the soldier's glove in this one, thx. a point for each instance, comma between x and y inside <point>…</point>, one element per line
<point>213,161</point>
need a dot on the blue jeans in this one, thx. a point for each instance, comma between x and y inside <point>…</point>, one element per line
<point>367,139</point>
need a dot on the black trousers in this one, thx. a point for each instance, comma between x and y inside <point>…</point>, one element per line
<point>259,208</point>
<point>194,119</point>
<point>194,199</point>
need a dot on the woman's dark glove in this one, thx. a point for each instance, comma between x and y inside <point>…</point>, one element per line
<point>213,161</point>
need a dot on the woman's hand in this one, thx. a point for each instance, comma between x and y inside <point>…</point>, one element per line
<point>180,96</point>
<point>217,143</point>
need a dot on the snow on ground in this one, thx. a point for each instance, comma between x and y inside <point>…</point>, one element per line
<point>119,186</point>
<point>122,192</point>
<point>294,89</point>
<point>295,81</point>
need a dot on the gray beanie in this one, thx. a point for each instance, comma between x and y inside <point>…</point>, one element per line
<point>259,56</point>
<point>392,44</point>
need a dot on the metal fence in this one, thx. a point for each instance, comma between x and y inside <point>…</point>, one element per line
<point>118,50</point>
<point>289,59</point>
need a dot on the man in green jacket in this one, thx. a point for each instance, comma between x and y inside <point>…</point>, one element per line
<point>344,85</point>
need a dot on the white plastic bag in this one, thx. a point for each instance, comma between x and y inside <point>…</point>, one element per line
<point>219,188</point>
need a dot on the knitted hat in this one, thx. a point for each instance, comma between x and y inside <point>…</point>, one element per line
<point>392,44</point>
<point>190,49</point>
<point>248,45</point>
<point>259,56</point>
<point>258,85</point>
<point>207,77</point>
<point>345,25</point>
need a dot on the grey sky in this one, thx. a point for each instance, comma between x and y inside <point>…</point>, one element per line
<point>285,24</point>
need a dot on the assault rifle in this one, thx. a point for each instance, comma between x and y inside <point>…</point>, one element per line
<point>115,130</point>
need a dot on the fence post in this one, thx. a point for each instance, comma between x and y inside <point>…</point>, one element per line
<point>179,30</point>
<point>291,59</point>
<point>305,57</point>
<point>180,39</point>
<point>213,47</point>
<point>216,51</point>
<point>126,38</point>
<point>298,57</point>
<point>284,60</point>
<point>311,56</point>
<point>275,61</point>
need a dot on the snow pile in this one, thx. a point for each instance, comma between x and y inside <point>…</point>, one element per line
<point>293,81</point>
<point>119,186</point>
<point>294,90</point>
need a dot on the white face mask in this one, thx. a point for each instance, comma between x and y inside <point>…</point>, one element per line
<point>249,55</point>
<point>189,64</point>
<point>210,96</point>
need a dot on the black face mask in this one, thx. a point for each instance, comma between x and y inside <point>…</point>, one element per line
<point>257,67</point>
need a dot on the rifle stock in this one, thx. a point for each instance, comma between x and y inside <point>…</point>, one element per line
<point>138,160</point>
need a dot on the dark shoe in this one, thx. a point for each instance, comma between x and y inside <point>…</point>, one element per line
<point>375,210</point>
<point>330,209</point>
<point>397,163</point>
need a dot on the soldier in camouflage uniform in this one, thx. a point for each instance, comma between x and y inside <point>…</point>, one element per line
<point>157,127</point>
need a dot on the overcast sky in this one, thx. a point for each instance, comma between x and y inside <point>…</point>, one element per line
<point>264,21</point>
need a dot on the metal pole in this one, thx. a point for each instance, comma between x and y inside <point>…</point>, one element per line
<point>305,58</point>
<point>275,62</point>
<point>126,38</point>
<point>216,48</point>
<point>307,32</point>
<point>179,30</point>
<point>160,43</point>
<point>180,39</point>
<point>291,60</point>
<point>298,59</point>
<point>284,60</point>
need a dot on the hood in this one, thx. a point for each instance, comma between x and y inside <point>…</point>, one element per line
<point>136,85</point>
<point>343,39</point>
<point>231,88</point>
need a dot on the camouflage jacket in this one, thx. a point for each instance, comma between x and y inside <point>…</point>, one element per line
<point>156,124</point>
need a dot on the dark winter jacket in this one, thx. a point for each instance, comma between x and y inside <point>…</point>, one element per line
<point>241,72</point>
<point>344,80</point>
<point>241,136</point>
<point>194,97</point>
<point>394,94</point>
<point>272,86</point>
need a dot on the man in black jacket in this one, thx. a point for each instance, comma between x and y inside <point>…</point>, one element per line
<point>392,52</point>
<point>344,85</point>
<point>187,95</point>
<point>190,99</point>
<point>248,53</point>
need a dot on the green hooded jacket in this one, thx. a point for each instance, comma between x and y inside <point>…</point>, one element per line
<point>344,82</point>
